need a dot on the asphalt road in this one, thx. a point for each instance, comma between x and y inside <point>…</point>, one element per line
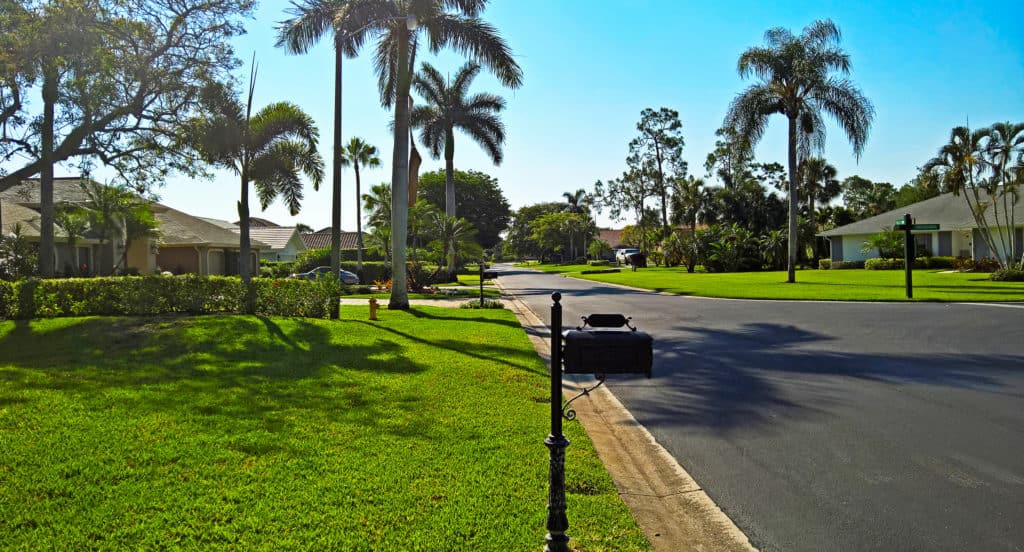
<point>830,426</point>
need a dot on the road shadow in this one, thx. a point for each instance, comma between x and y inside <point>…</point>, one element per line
<point>729,379</point>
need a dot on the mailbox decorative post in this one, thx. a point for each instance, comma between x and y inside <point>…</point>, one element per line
<point>598,351</point>
<point>556,539</point>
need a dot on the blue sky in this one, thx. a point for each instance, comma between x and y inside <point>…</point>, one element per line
<point>592,66</point>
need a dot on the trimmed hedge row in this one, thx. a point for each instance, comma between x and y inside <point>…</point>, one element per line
<point>920,262</point>
<point>148,295</point>
<point>312,258</point>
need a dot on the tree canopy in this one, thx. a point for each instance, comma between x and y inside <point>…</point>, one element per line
<point>479,200</point>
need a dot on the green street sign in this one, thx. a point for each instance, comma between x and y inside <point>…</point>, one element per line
<point>925,227</point>
<point>900,222</point>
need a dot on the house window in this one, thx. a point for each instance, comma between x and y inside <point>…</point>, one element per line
<point>922,245</point>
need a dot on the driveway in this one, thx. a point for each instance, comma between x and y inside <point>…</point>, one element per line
<point>830,426</point>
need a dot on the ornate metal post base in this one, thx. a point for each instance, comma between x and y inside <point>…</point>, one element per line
<point>556,539</point>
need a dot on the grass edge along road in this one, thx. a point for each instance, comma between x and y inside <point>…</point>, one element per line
<point>822,285</point>
<point>419,432</point>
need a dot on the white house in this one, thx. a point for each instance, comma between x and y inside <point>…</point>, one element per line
<point>957,236</point>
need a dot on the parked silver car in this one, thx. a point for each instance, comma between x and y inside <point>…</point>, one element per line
<point>347,278</point>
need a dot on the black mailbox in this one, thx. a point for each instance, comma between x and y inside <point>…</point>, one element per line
<point>603,351</point>
<point>490,274</point>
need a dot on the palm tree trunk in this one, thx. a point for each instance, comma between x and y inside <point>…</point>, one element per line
<point>449,192</point>
<point>791,262</point>
<point>244,245</point>
<point>336,177</point>
<point>359,224</point>
<point>814,225</point>
<point>400,180</point>
<point>47,254</point>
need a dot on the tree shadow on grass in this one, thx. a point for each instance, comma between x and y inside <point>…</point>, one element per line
<point>239,366</point>
<point>730,379</point>
<point>513,357</point>
<point>433,315</point>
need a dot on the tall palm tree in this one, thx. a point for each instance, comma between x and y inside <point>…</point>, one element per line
<point>270,149</point>
<point>819,183</point>
<point>357,153</point>
<point>577,202</point>
<point>449,108</point>
<point>960,167</point>
<point>1004,146</point>
<point>397,25</point>
<point>798,80</point>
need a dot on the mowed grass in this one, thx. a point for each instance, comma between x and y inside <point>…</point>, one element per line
<point>422,431</point>
<point>831,285</point>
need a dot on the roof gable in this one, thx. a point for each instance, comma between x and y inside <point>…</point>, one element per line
<point>949,211</point>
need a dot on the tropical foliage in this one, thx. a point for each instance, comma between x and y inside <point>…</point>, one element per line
<point>271,149</point>
<point>985,167</point>
<point>356,153</point>
<point>801,77</point>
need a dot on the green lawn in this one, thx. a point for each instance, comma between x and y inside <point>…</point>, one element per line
<point>419,432</point>
<point>839,285</point>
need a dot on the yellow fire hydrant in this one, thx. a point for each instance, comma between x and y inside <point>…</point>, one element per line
<point>373,308</point>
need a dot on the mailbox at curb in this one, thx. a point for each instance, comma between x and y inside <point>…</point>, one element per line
<point>490,274</point>
<point>601,350</point>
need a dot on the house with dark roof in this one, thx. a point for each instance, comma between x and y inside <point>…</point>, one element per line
<point>321,239</point>
<point>186,244</point>
<point>957,235</point>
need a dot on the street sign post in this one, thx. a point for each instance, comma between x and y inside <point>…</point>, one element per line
<point>907,225</point>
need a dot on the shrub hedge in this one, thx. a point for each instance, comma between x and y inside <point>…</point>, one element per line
<point>879,263</point>
<point>312,258</point>
<point>846,265</point>
<point>1008,275</point>
<point>601,271</point>
<point>599,262</point>
<point>824,264</point>
<point>148,295</point>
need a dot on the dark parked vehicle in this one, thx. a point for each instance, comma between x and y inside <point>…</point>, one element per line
<point>347,278</point>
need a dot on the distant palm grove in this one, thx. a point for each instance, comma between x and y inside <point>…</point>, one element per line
<point>147,89</point>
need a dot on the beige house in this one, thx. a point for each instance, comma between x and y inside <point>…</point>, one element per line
<point>186,244</point>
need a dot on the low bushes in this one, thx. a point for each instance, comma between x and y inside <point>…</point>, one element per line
<point>846,265</point>
<point>1008,275</point>
<point>824,264</point>
<point>601,271</point>
<point>883,264</point>
<point>601,262</point>
<point>965,264</point>
<point>312,258</point>
<point>148,295</point>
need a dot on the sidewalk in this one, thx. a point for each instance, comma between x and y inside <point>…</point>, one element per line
<point>673,511</point>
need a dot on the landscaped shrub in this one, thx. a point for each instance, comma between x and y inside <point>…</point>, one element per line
<point>312,258</point>
<point>965,264</point>
<point>293,297</point>
<point>601,262</point>
<point>148,295</point>
<point>1008,275</point>
<point>277,269</point>
<point>883,264</point>
<point>488,304</point>
<point>935,262</point>
<point>601,271</point>
<point>824,264</point>
<point>846,265</point>
<point>6,299</point>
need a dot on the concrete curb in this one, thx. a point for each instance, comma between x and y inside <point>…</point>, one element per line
<point>669,506</point>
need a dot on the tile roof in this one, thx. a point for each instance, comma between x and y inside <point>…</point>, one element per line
<point>276,237</point>
<point>949,211</point>
<point>322,239</point>
<point>178,229</point>
<point>64,189</point>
